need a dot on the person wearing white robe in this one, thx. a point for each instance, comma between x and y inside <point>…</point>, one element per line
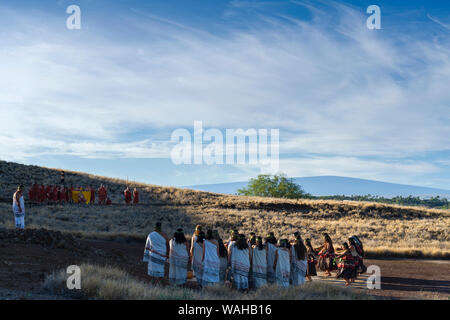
<point>197,256</point>
<point>259,264</point>
<point>178,258</point>
<point>239,258</point>
<point>210,261</point>
<point>198,230</point>
<point>271,249</point>
<point>18,207</point>
<point>282,264</point>
<point>155,252</point>
<point>299,264</point>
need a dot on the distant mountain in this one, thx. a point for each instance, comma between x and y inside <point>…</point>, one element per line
<point>332,185</point>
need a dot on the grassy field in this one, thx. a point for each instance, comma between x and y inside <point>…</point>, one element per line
<point>386,230</point>
<point>109,283</point>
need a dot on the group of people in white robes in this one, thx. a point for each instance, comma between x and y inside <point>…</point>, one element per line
<point>245,263</point>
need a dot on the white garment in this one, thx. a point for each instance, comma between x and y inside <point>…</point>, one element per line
<point>197,266</point>
<point>20,222</point>
<point>259,267</point>
<point>240,267</point>
<point>19,217</point>
<point>283,268</point>
<point>271,249</point>
<point>298,269</point>
<point>155,252</point>
<point>211,264</point>
<point>178,259</point>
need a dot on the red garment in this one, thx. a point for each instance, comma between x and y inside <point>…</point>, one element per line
<point>92,195</point>
<point>55,194</point>
<point>136,197</point>
<point>42,194</point>
<point>36,192</point>
<point>102,194</point>
<point>66,194</point>
<point>127,194</point>
<point>31,194</point>
<point>108,202</point>
<point>61,195</point>
<point>48,191</point>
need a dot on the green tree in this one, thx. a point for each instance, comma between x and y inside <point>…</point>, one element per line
<point>276,186</point>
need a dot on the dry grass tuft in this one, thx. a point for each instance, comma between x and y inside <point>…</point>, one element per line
<point>107,283</point>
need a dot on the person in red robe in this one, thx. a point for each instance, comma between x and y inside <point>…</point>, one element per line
<point>102,194</point>
<point>31,194</point>
<point>135,196</point>
<point>127,194</point>
<point>92,195</point>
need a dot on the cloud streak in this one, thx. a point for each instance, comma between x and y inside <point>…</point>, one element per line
<point>334,89</point>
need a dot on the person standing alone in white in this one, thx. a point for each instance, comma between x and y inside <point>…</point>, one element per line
<point>19,208</point>
<point>156,252</point>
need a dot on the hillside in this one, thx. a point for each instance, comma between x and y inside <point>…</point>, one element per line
<point>331,185</point>
<point>384,228</point>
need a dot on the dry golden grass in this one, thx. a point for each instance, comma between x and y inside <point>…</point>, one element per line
<point>386,230</point>
<point>107,283</point>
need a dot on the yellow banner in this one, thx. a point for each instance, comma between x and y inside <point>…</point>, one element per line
<point>86,194</point>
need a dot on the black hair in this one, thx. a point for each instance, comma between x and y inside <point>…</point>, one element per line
<point>352,241</point>
<point>179,236</point>
<point>345,245</point>
<point>252,239</point>
<point>308,244</point>
<point>360,244</point>
<point>200,237</point>
<point>158,226</point>
<point>328,238</point>
<point>222,250</point>
<point>241,243</point>
<point>283,243</point>
<point>259,243</point>
<point>271,238</point>
<point>209,234</point>
<point>300,249</point>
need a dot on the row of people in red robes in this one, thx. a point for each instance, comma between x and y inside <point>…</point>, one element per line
<point>42,193</point>
<point>61,194</point>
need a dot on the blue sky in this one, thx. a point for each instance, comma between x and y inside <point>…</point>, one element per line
<point>347,100</point>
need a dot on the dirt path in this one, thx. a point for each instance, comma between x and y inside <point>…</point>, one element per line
<point>24,266</point>
<point>405,279</point>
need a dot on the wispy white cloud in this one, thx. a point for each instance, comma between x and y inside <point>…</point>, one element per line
<point>332,87</point>
<point>444,25</point>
